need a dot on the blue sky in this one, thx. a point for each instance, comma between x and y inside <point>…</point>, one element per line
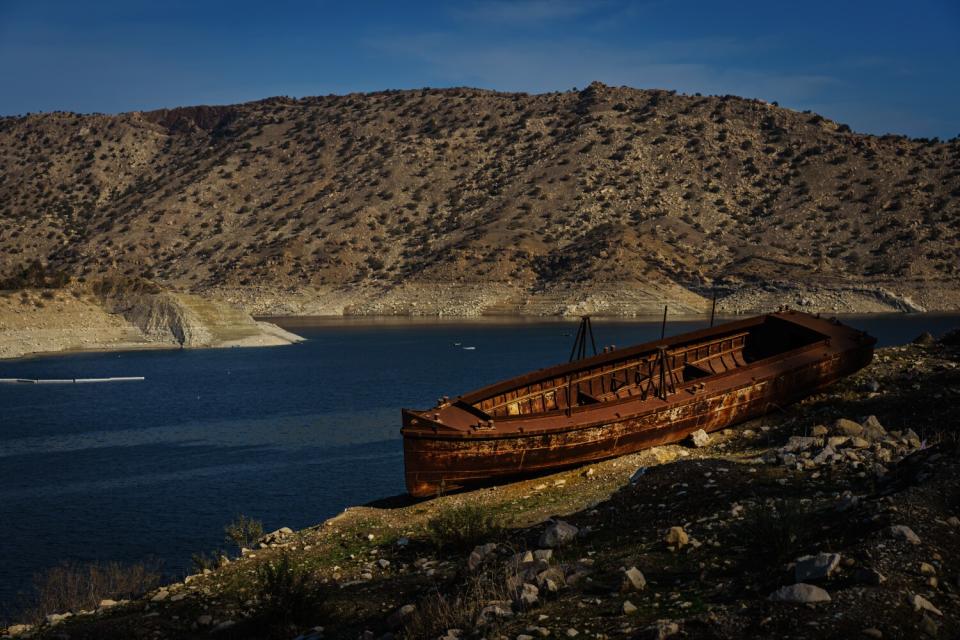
<point>878,66</point>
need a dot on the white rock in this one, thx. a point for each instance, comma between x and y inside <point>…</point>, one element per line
<point>57,618</point>
<point>629,607</point>
<point>634,579</point>
<point>921,603</point>
<point>800,593</point>
<point>700,438</point>
<point>18,629</point>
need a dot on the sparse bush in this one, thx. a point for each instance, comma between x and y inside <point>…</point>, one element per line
<point>287,594</point>
<point>72,587</point>
<point>436,612</point>
<point>243,531</point>
<point>462,526</point>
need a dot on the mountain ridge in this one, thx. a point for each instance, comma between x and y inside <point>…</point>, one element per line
<point>378,201</point>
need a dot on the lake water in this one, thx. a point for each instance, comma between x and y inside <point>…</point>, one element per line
<point>290,435</point>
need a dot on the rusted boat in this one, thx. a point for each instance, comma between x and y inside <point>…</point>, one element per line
<point>628,399</point>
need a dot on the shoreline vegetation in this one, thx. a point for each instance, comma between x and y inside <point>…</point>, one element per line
<point>838,515</point>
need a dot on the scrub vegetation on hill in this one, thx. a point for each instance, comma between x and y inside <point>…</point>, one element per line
<point>514,195</point>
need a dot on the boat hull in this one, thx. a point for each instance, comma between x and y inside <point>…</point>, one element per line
<point>441,461</point>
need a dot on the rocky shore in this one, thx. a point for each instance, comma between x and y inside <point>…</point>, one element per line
<point>837,517</point>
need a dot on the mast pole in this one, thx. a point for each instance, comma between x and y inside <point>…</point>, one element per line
<point>663,327</point>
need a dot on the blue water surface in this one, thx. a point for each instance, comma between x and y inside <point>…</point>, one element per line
<point>290,435</point>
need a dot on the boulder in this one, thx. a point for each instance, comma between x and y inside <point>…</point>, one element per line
<point>819,431</point>
<point>699,438</point>
<point>558,533</point>
<point>872,429</point>
<point>903,532</point>
<point>799,593</point>
<point>844,427</point>
<point>818,567</point>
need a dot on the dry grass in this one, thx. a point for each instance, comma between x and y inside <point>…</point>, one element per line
<point>463,526</point>
<point>74,587</point>
<point>436,612</point>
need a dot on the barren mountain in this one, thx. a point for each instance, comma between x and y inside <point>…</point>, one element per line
<point>467,201</point>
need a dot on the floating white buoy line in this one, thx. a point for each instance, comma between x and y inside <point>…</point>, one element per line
<point>69,380</point>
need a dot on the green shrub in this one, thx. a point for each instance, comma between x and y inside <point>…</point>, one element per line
<point>462,526</point>
<point>243,531</point>
<point>286,593</point>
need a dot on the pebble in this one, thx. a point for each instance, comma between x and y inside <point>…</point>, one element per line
<point>572,633</point>
<point>629,607</point>
<point>872,632</point>
<point>676,537</point>
<point>634,580</point>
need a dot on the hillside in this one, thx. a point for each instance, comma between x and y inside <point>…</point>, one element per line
<point>465,201</point>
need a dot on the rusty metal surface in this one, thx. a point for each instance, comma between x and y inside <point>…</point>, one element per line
<point>717,379</point>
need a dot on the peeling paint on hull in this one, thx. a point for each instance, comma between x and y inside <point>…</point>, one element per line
<point>444,458</point>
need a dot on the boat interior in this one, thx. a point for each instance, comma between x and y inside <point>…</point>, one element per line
<point>643,371</point>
